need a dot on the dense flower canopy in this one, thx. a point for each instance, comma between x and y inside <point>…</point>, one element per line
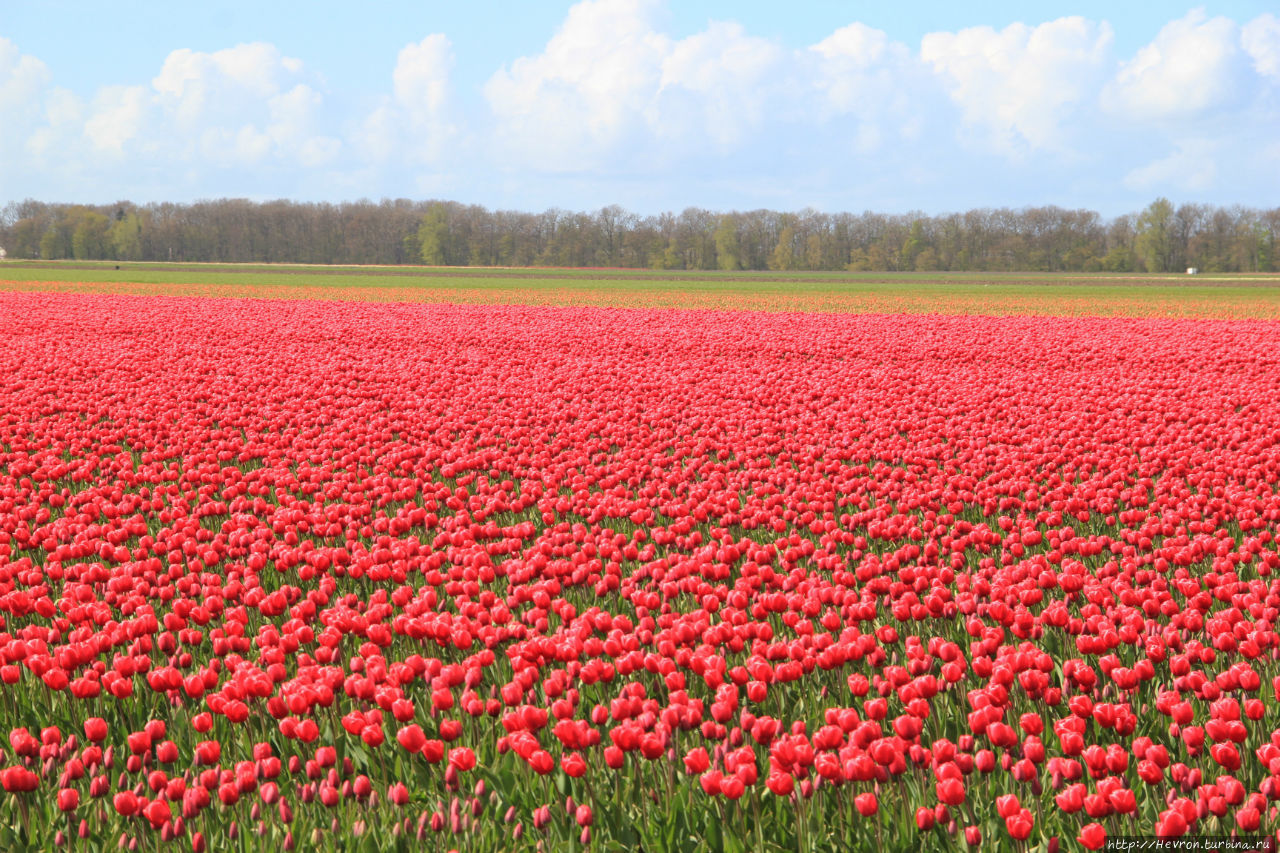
<point>982,573</point>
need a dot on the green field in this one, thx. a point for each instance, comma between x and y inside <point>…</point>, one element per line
<point>939,292</point>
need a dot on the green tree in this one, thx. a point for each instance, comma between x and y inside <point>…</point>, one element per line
<point>1119,259</point>
<point>915,243</point>
<point>125,237</point>
<point>878,258</point>
<point>784,254</point>
<point>927,260</point>
<point>433,236</point>
<point>26,238</point>
<point>56,241</point>
<point>1153,244</point>
<point>728,252</point>
<point>859,261</point>
<point>813,252</point>
<point>412,248</point>
<point>89,240</point>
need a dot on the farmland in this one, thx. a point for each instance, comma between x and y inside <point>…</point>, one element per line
<point>509,559</point>
<point>1218,296</point>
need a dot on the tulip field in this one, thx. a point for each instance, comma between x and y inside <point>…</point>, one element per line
<point>302,573</point>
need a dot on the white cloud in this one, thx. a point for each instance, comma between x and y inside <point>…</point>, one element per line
<point>871,88</point>
<point>612,91</point>
<point>1191,167</point>
<point>1021,84</point>
<point>1261,40</point>
<point>858,64</point>
<point>421,79</point>
<point>615,107</point>
<point>61,123</point>
<point>587,91</point>
<point>416,120</point>
<point>1192,68</point>
<point>243,108</point>
<point>22,78</point>
<point>119,113</point>
<point>717,85</point>
<point>23,84</point>
<point>245,103</point>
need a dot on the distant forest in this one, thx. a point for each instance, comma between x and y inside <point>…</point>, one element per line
<point>1161,238</point>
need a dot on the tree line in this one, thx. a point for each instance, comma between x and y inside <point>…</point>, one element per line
<point>1161,238</point>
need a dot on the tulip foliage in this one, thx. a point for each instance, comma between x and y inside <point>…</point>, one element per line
<point>497,577</point>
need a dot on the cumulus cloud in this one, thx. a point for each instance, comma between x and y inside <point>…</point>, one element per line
<point>1261,40</point>
<point>22,77</point>
<point>588,91</point>
<point>23,84</point>
<point>119,113</point>
<point>416,119</point>
<point>871,90</point>
<point>244,104</point>
<point>1193,67</point>
<point>421,78</point>
<point>615,107</point>
<point>610,88</point>
<point>244,107</point>
<point>716,86</point>
<point>1190,167</point>
<point>858,66</point>
<point>1021,85</point>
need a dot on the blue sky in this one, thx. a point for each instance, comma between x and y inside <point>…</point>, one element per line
<point>649,104</point>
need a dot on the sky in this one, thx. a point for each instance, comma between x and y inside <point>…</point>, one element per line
<point>651,105</point>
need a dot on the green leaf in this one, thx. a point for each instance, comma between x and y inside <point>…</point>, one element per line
<point>711,831</point>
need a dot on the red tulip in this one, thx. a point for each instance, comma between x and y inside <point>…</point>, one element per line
<point>1092,836</point>
<point>68,799</point>
<point>950,792</point>
<point>208,752</point>
<point>126,803</point>
<point>462,758</point>
<point>18,780</point>
<point>574,765</point>
<point>95,729</point>
<point>157,813</point>
<point>411,737</point>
